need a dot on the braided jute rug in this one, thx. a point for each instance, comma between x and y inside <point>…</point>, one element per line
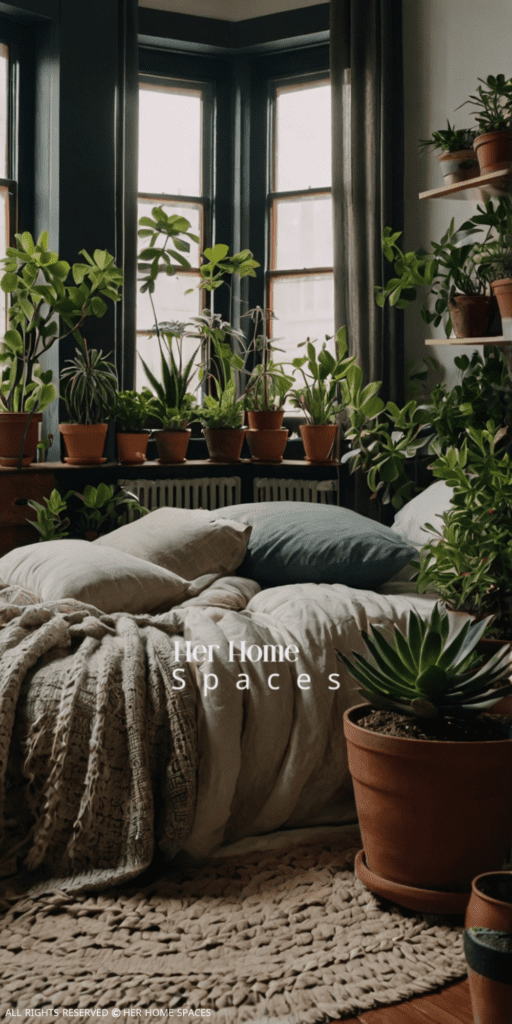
<point>288,937</point>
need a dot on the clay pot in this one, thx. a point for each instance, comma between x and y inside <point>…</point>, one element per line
<point>224,443</point>
<point>132,448</point>
<point>490,904</point>
<point>172,445</point>
<point>490,979</point>
<point>459,166</point>
<point>12,427</point>
<point>85,443</point>
<point>265,419</point>
<point>318,440</point>
<point>472,315</point>
<point>494,150</point>
<point>267,445</point>
<point>503,292</point>
<point>433,814</point>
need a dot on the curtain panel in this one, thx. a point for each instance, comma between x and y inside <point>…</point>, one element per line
<point>367,165</point>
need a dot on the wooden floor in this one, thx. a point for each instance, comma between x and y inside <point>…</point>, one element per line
<point>452,1005</point>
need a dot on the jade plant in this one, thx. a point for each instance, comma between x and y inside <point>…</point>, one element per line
<point>428,674</point>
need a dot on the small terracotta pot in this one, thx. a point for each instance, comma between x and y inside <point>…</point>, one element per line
<point>12,426</point>
<point>471,315</point>
<point>132,448</point>
<point>490,904</point>
<point>265,419</point>
<point>172,445</point>
<point>459,166</point>
<point>85,443</point>
<point>267,445</point>
<point>224,443</point>
<point>494,150</point>
<point>318,440</point>
<point>503,292</point>
<point>407,791</point>
<point>490,980</point>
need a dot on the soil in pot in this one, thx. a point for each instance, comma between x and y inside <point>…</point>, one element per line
<point>267,445</point>
<point>12,427</point>
<point>132,448</point>
<point>472,315</point>
<point>479,727</point>
<point>172,445</point>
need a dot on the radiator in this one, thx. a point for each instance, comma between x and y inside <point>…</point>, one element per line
<point>275,489</point>
<point>201,492</point>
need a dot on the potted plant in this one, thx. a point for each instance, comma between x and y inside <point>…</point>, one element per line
<point>490,904</point>
<point>319,398</point>
<point>457,157</point>
<point>40,298</point>
<point>90,390</point>
<point>431,773</point>
<point>492,109</point>
<point>488,955</point>
<point>267,385</point>
<point>495,253</point>
<point>131,411</point>
<point>174,406</point>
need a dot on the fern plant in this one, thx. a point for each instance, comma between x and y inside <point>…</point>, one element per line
<point>424,674</point>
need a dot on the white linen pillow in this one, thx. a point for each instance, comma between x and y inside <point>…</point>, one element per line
<point>189,543</point>
<point>108,579</point>
<point>426,507</point>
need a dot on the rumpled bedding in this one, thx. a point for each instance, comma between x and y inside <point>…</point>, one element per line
<point>188,730</point>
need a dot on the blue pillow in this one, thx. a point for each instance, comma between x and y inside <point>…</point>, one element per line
<point>302,542</point>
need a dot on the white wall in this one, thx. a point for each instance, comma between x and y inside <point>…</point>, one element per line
<point>448,44</point>
<point>228,10</point>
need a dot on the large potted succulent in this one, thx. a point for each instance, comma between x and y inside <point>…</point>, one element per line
<point>44,308</point>
<point>319,397</point>
<point>492,109</point>
<point>456,156</point>
<point>432,772</point>
<point>131,412</point>
<point>89,394</point>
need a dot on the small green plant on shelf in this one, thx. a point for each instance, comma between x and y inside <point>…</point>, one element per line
<point>450,139</point>
<point>268,384</point>
<point>492,104</point>
<point>132,409</point>
<point>173,404</point>
<point>425,673</point>
<point>320,397</point>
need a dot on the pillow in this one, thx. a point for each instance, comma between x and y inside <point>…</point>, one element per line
<point>188,543</point>
<point>426,507</point>
<point>108,579</point>
<point>301,542</point>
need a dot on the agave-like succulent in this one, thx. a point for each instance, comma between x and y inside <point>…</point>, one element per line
<point>423,675</point>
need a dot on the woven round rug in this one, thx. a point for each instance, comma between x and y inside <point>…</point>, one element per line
<point>278,936</point>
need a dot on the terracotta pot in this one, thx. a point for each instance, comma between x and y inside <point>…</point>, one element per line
<point>132,448</point>
<point>490,980</point>
<point>459,166</point>
<point>172,444</point>
<point>265,419</point>
<point>12,426</point>
<point>490,904</point>
<point>472,315</point>
<point>224,443</point>
<point>318,440</point>
<point>494,150</point>
<point>267,445</point>
<point>433,814</point>
<point>503,292</point>
<point>85,443</point>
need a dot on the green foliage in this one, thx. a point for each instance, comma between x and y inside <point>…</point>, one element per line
<point>425,674</point>
<point>267,387</point>
<point>222,408</point>
<point>49,523</point>
<point>492,104</point>
<point>174,406</point>
<point>90,385</point>
<point>320,398</point>
<point>219,263</point>
<point>495,253</point>
<point>166,236</point>
<point>470,566</point>
<point>132,409</point>
<point>450,139</point>
<point>105,506</point>
<point>484,393</point>
<point>225,411</point>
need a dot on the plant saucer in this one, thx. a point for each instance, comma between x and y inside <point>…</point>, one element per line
<point>426,901</point>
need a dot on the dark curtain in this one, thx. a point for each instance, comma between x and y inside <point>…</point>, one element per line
<point>367,124</point>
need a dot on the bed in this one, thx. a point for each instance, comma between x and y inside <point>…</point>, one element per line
<point>161,693</point>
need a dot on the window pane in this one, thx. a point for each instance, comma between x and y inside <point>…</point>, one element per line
<point>303,137</point>
<point>194,215</point>
<point>170,140</point>
<point>303,235</point>
<point>304,309</point>
<point>4,94</point>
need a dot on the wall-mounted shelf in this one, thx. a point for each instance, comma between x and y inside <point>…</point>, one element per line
<point>496,183</point>
<point>497,340</point>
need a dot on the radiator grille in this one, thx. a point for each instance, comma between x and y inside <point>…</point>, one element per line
<point>202,492</point>
<point>275,489</point>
